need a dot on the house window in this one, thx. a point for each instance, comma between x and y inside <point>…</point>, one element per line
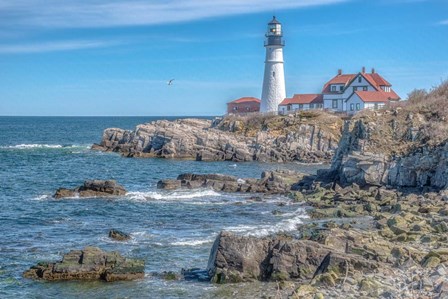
<point>364,88</point>
<point>352,107</point>
<point>288,107</point>
<point>311,106</point>
<point>358,106</point>
<point>341,88</point>
<point>334,104</point>
<point>359,79</point>
<point>247,108</point>
<point>355,88</point>
<point>235,108</point>
<point>300,106</point>
<point>375,106</point>
<point>333,87</point>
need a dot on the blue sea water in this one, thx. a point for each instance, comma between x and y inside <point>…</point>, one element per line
<point>170,230</point>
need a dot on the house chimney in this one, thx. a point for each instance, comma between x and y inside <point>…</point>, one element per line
<point>363,69</point>
<point>373,71</point>
<point>339,72</point>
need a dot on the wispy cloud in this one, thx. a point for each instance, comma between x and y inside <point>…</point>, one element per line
<point>444,22</point>
<point>54,46</point>
<point>108,13</point>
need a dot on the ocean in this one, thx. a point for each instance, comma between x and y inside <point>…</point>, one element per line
<point>170,230</point>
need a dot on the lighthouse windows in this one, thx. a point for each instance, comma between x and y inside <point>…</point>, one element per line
<point>273,74</point>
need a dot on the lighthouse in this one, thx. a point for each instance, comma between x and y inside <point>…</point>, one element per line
<point>274,75</point>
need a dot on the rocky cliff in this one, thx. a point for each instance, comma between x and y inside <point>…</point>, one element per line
<point>401,146</point>
<point>306,137</point>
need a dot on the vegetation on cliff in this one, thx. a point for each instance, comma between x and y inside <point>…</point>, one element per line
<point>403,127</point>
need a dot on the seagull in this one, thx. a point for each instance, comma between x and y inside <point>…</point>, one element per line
<point>170,82</point>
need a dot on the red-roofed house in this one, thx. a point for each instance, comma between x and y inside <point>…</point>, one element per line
<point>301,102</point>
<point>369,100</point>
<point>338,90</point>
<point>243,105</point>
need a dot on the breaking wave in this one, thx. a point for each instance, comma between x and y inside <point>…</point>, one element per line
<point>167,196</point>
<point>286,225</point>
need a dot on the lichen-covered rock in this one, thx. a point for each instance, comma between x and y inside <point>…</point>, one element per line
<point>91,263</point>
<point>93,188</point>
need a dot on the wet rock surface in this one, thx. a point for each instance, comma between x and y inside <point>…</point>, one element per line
<point>271,182</point>
<point>305,136</point>
<point>384,243</point>
<point>90,263</point>
<point>119,235</point>
<point>92,188</point>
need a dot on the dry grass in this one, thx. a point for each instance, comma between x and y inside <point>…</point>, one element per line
<point>402,127</point>
<point>249,125</point>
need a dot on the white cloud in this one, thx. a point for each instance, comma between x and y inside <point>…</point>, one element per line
<point>444,22</point>
<point>107,13</point>
<point>54,46</point>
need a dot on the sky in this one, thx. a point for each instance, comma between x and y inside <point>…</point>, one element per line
<point>114,57</point>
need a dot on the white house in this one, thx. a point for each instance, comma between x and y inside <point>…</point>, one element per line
<point>360,100</point>
<point>301,102</point>
<point>372,86</point>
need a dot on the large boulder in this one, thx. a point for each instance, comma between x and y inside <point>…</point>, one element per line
<point>93,188</point>
<point>236,258</point>
<point>91,263</point>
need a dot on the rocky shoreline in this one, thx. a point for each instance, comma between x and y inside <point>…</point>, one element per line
<point>309,137</point>
<point>384,242</point>
<point>378,224</point>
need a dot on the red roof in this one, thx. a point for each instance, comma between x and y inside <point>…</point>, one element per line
<point>304,99</point>
<point>377,96</point>
<point>245,100</point>
<point>376,80</point>
<point>339,79</point>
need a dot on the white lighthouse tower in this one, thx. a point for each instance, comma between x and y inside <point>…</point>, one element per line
<point>274,75</point>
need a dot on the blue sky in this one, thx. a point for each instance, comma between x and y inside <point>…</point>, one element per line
<point>114,57</point>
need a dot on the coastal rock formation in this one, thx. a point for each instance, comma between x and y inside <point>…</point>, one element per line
<point>93,188</point>
<point>118,235</point>
<point>91,263</point>
<point>404,147</point>
<point>306,137</point>
<point>271,182</point>
<point>236,258</point>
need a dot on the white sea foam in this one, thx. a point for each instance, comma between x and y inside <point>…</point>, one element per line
<point>286,225</point>
<point>42,197</point>
<point>192,242</point>
<point>169,196</point>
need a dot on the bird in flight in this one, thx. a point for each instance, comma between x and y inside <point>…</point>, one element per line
<point>170,82</point>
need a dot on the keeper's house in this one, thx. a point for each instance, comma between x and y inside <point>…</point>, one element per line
<point>355,92</point>
<point>345,93</point>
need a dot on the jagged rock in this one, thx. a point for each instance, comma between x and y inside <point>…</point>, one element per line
<point>92,188</point>
<point>91,263</point>
<point>118,235</point>
<point>235,259</point>
<point>253,138</point>
<point>369,153</point>
<point>279,181</point>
